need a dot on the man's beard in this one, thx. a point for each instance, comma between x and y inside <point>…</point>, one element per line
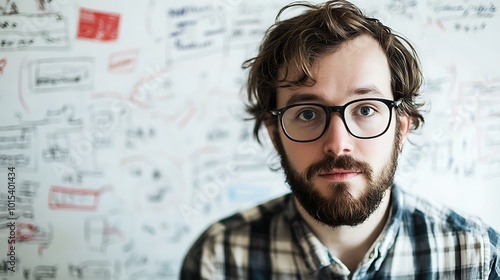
<point>340,208</point>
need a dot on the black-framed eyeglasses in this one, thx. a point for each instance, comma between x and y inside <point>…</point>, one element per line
<point>364,118</point>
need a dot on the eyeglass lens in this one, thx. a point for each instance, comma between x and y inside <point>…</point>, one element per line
<point>364,118</point>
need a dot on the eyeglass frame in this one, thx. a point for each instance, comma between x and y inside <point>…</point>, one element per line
<point>339,109</point>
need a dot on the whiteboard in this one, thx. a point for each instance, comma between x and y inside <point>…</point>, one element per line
<point>123,122</point>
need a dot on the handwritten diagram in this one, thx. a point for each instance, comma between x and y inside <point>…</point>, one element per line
<point>127,131</point>
<point>61,74</point>
<point>23,28</point>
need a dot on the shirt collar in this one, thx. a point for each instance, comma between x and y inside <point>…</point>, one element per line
<point>384,242</point>
<point>318,257</point>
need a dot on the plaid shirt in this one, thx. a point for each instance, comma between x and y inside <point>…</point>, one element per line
<point>271,241</point>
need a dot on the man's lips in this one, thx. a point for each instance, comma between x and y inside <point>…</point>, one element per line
<point>338,174</point>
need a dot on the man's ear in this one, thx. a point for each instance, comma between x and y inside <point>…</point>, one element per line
<point>271,126</point>
<point>405,122</point>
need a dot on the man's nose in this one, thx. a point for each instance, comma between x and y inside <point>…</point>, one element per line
<point>337,140</point>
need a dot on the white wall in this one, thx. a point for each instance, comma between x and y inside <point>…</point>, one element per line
<point>123,123</point>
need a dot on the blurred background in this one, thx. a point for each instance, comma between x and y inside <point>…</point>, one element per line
<point>124,122</point>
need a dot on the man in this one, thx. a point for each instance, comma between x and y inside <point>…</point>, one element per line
<point>337,92</point>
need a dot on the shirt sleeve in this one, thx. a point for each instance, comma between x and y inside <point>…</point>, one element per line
<point>495,254</point>
<point>191,266</point>
<point>204,259</point>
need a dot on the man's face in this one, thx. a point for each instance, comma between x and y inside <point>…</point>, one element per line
<point>339,179</point>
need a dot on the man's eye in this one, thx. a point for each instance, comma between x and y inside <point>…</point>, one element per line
<point>307,115</point>
<point>366,111</point>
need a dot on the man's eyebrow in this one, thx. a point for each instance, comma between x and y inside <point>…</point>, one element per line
<point>303,97</point>
<point>366,90</point>
<point>309,97</point>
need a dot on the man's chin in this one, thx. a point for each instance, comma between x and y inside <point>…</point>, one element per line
<point>334,204</point>
<point>351,189</point>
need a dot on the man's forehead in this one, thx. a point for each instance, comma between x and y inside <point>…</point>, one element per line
<point>308,64</point>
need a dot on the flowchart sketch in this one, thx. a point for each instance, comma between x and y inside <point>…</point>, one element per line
<point>24,32</point>
<point>52,75</point>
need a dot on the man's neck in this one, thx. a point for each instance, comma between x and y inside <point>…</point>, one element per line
<point>350,244</point>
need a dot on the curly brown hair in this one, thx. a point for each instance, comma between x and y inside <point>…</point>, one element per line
<point>295,44</point>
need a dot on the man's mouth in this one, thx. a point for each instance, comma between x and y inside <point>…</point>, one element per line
<point>339,174</point>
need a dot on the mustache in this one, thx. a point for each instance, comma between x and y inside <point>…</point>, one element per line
<point>341,162</point>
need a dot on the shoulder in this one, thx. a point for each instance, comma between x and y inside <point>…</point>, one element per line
<point>208,255</point>
<point>437,217</point>
<point>261,215</point>
<point>446,231</point>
